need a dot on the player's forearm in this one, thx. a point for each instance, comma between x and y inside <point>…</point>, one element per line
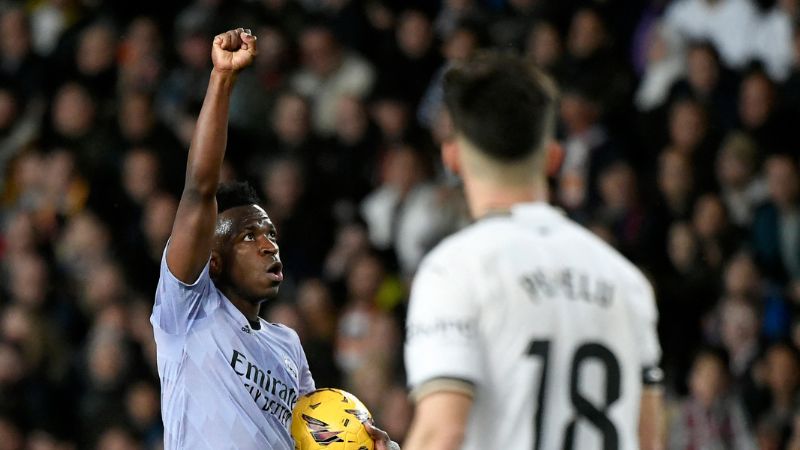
<point>430,438</point>
<point>210,136</point>
<point>651,420</point>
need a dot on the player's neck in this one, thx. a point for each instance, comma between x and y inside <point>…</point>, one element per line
<point>248,309</point>
<point>488,198</point>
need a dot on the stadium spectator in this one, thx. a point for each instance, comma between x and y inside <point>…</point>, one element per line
<point>726,23</point>
<point>782,370</point>
<point>712,416</point>
<point>18,62</point>
<point>741,187</point>
<point>304,238</point>
<point>319,315</point>
<point>410,62</point>
<point>621,209</point>
<point>402,214</point>
<point>457,46</point>
<point>544,47</point>
<point>707,82</point>
<point>95,60</point>
<point>328,73</point>
<point>773,38</point>
<point>588,150</point>
<point>760,116</point>
<point>141,56</point>
<point>665,65</point>
<point>738,333</point>
<point>454,12</point>
<point>775,226</point>
<point>675,188</point>
<point>258,89</point>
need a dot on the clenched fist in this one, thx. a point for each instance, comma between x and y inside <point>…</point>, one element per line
<point>233,50</point>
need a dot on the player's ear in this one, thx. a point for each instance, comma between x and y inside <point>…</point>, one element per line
<point>554,156</point>
<point>451,155</point>
<point>215,264</point>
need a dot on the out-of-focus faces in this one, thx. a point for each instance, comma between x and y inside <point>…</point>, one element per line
<point>96,50</point>
<point>291,119</point>
<point>702,69</point>
<point>687,126</point>
<point>708,379</point>
<point>414,34</point>
<point>586,34</point>
<point>73,111</point>
<point>320,51</point>
<point>756,100</point>
<point>674,175</point>
<point>544,45</point>
<point>782,181</point>
<point>140,172</point>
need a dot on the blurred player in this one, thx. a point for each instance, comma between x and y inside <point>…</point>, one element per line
<point>229,379</point>
<point>524,330</point>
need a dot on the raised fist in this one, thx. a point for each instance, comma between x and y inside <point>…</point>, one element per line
<point>233,50</point>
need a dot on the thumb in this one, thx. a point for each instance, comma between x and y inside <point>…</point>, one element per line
<point>249,43</point>
<point>381,438</point>
<point>246,35</point>
<point>375,432</point>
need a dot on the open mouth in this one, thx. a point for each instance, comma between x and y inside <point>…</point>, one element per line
<point>275,271</point>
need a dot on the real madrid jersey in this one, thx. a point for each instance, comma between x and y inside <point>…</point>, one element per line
<point>552,328</point>
<point>224,384</point>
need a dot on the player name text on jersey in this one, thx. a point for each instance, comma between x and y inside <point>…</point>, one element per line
<point>568,283</point>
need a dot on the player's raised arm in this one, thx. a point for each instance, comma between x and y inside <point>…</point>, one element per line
<point>193,230</point>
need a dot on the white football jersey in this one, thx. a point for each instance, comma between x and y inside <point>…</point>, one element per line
<point>224,384</point>
<point>554,329</point>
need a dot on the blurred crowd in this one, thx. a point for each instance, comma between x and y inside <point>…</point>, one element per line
<point>677,147</point>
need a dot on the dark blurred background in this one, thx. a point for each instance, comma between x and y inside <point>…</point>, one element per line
<point>678,122</point>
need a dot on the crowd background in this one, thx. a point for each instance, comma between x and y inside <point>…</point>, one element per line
<point>677,121</point>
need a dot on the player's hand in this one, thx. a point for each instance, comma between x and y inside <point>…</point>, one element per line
<point>233,50</point>
<point>382,441</point>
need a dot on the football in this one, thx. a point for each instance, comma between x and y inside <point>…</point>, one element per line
<point>330,419</point>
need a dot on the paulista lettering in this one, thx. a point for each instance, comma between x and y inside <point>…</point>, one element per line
<point>270,393</point>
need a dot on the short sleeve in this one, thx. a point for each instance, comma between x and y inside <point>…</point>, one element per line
<point>179,305</point>
<point>442,333</point>
<point>306,380</point>
<point>645,328</point>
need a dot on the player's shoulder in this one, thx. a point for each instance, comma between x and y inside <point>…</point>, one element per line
<point>637,291</point>
<point>282,332</point>
<point>451,252</point>
<point>604,255</point>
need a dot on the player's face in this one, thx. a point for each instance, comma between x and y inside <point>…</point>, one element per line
<point>248,248</point>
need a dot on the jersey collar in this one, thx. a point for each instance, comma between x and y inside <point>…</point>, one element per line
<point>536,209</point>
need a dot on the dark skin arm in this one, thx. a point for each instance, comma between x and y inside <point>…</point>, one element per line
<point>193,231</point>
<point>382,441</point>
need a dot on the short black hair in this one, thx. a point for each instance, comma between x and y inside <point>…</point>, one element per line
<point>236,193</point>
<point>501,104</point>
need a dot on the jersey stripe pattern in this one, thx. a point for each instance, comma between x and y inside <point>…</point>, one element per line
<point>224,385</point>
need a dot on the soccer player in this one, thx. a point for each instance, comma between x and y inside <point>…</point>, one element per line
<point>524,330</point>
<point>229,379</point>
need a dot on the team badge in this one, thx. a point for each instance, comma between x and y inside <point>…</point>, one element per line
<point>291,367</point>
